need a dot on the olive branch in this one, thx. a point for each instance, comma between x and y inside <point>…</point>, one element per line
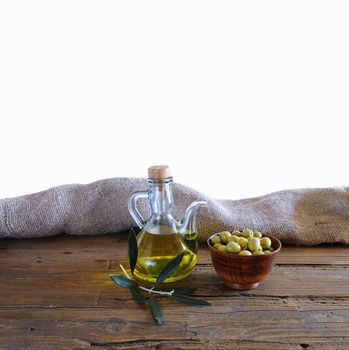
<point>127,281</point>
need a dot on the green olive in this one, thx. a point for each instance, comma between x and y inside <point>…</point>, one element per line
<point>257,234</point>
<point>236,233</point>
<point>265,242</point>
<point>233,238</point>
<point>224,236</point>
<point>271,249</point>
<point>266,252</point>
<point>245,252</point>
<point>258,252</point>
<point>222,248</point>
<point>243,242</point>
<point>254,244</point>
<point>233,247</point>
<point>247,233</point>
<point>215,239</point>
<point>217,245</point>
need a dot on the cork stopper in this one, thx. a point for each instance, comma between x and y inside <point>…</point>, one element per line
<point>158,172</point>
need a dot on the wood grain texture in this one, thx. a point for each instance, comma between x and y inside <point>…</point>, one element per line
<point>55,293</point>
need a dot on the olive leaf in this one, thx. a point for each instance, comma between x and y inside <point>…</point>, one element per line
<point>156,310</point>
<point>184,290</point>
<point>169,269</point>
<point>132,249</point>
<point>141,299</point>
<point>177,293</point>
<point>185,299</point>
<point>123,281</point>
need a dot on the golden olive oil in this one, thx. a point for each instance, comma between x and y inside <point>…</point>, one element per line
<point>191,240</point>
<point>156,250</point>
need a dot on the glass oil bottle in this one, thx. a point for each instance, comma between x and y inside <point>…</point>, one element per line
<point>162,238</point>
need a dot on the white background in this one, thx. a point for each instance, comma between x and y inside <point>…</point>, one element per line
<point>239,98</point>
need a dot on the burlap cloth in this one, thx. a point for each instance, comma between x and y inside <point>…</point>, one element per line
<point>302,216</point>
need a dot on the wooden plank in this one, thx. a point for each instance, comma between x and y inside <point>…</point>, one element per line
<point>98,253</point>
<point>230,322</point>
<point>46,261</point>
<point>86,288</point>
<point>64,241</point>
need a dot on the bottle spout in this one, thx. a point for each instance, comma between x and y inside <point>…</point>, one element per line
<point>188,224</point>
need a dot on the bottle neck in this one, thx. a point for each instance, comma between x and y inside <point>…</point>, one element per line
<point>161,196</point>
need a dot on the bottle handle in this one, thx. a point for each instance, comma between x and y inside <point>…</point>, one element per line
<point>132,206</point>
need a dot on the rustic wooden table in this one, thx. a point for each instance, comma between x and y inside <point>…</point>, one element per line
<point>56,294</point>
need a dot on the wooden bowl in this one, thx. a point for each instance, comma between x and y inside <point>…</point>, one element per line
<point>243,272</point>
